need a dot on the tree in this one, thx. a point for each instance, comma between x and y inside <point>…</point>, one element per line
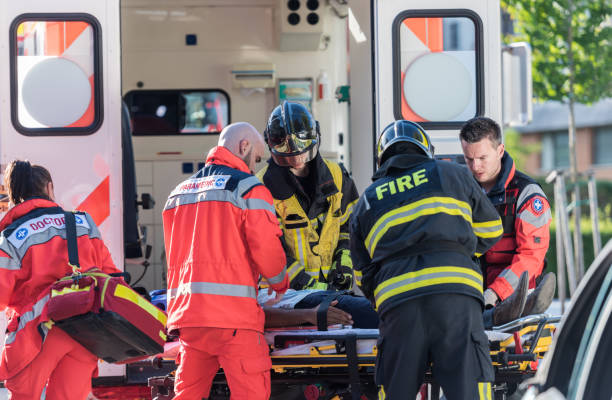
<point>571,43</point>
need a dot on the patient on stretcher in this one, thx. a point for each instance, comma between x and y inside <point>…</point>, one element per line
<point>299,307</point>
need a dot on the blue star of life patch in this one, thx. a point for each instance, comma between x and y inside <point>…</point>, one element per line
<point>537,205</point>
<point>21,233</point>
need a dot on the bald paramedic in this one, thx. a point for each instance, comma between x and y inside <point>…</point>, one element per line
<point>221,234</point>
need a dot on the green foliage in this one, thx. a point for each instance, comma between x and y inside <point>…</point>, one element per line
<point>519,151</point>
<point>544,24</point>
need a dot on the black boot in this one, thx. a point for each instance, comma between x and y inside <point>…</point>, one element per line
<point>511,308</point>
<point>539,300</point>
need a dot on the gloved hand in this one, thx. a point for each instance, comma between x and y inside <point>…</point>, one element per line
<point>341,273</point>
<point>315,284</point>
<point>490,298</point>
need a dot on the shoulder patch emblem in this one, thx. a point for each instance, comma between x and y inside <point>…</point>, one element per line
<point>537,205</point>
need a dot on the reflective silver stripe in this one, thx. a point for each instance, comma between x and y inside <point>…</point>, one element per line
<point>219,195</point>
<point>294,269</point>
<point>426,277</point>
<point>9,263</point>
<point>39,238</point>
<point>349,209</point>
<point>537,221</point>
<point>528,191</point>
<point>27,317</point>
<point>510,277</point>
<point>278,278</point>
<point>222,289</point>
<point>94,232</point>
<point>488,229</point>
<point>246,184</point>
<point>389,219</point>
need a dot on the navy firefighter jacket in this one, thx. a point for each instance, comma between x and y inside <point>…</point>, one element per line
<point>416,230</point>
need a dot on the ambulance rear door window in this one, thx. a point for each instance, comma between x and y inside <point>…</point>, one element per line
<point>55,74</point>
<point>438,75</point>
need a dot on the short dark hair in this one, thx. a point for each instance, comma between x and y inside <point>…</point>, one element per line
<point>401,147</point>
<point>479,128</point>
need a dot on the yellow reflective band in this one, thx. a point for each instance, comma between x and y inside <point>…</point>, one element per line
<point>163,335</point>
<point>418,279</point>
<point>294,270</point>
<point>488,229</point>
<point>358,276</point>
<point>129,295</point>
<point>344,236</point>
<point>484,390</point>
<point>300,243</point>
<point>428,206</point>
<point>347,213</point>
<point>381,393</point>
<point>477,254</point>
<point>67,290</point>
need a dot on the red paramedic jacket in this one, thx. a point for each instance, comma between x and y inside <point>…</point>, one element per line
<point>221,233</point>
<point>525,213</point>
<point>33,255</point>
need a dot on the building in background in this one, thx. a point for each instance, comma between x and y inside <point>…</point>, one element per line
<point>549,129</point>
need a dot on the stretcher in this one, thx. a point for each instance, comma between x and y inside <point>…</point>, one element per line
<point>339,364</point>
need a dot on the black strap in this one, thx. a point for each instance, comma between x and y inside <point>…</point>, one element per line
<point>71,237</point>
<point>323,307</point>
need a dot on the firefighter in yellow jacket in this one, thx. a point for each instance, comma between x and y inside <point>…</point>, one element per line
<point>313,198</point>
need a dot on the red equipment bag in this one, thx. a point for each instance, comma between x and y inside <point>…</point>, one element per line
<point>103,313</point>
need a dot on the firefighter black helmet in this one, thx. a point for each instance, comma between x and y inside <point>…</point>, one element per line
<point>404,131</point>
<point>292,134</point>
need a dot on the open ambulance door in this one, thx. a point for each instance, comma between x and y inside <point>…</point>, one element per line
<point>435,62</point>
<point>60,104</point>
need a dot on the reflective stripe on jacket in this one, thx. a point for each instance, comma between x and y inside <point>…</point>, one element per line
<point>315,227</point>
<point>33,255</point>
<point>220,234</point>
<point>526,217</point>
<point>415,229</point>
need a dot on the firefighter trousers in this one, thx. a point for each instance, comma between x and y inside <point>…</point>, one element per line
<point>63,365</point>
<point>445,330</point>
<point>242,353</point>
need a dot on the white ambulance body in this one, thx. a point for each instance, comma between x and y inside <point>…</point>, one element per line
<point>186,68</point>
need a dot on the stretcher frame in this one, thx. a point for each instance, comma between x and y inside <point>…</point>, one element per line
<point>355,371</point>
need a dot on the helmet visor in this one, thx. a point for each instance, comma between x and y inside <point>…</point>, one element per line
<point>292,144</point>
<point>294,160</point>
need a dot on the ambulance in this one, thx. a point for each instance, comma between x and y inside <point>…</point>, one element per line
<point>121,100</point>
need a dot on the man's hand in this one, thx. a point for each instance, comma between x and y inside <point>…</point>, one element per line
<point>334,315</point>
<point>342,270</point>
<point>276,299</point>
<point>490,298</point>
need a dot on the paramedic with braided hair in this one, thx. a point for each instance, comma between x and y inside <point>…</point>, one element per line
<point>221,234</point>
<point>33,255</point>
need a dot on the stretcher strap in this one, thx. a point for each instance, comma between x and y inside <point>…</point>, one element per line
<point>322,310</point>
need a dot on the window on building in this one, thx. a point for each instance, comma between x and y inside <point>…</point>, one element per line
<point>555,150</point>
<point>603,144</point>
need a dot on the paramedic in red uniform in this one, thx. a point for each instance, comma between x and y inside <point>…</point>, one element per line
<point>33,255</point>
<point>221,234</point>
<point>525,214</point>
